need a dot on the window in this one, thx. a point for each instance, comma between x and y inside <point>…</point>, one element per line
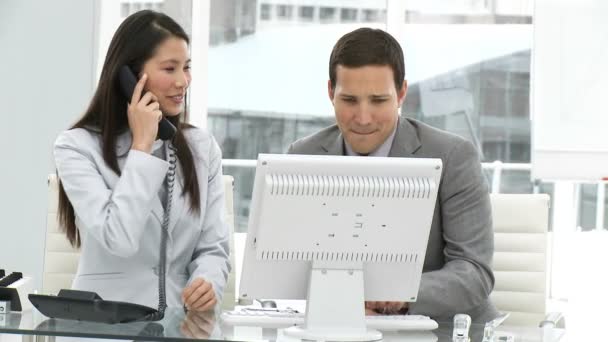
<point>112,13</point>
<point>348,14</point>
<point>265,11</point>
<point>306,13</point>
<point>267,89</point>
<point>124,10</point>
<point>370,15</point>
<point>327,14</point>
<point>284,11</point>
<point>480,92</point>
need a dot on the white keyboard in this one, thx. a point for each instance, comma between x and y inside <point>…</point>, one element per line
<point>283,319</point>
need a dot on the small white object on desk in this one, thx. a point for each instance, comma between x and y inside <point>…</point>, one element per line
<point>462,323</point>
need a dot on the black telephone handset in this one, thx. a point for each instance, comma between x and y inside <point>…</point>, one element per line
<point>127,81</point>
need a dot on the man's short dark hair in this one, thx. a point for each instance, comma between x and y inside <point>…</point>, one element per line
<point>367,46</point>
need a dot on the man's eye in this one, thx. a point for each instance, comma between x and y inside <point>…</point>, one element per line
<point>349,100</point>
<point>378,100</point>
<point>170,69</point>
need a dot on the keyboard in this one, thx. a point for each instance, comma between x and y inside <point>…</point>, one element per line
<point>287,318</point>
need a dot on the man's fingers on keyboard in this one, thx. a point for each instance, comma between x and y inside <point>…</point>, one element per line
<point>395,306</point>
<point>370,312</point>
<point>371,305</point>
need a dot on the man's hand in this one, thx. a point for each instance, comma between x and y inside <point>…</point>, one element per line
<point>384,308</point>
<point>370,312</point>
<point>198,324</point>
<point>199,296</point>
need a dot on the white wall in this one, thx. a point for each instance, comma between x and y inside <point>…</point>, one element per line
<point>46,59</point>
<point>568,90</point>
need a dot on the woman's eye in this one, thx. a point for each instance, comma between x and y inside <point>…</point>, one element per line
<point>170,69</point>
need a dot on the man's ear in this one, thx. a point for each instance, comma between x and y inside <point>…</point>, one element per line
<point>402,93</point>
<point>330,91</point>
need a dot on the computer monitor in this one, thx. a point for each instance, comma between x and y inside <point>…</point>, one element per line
<point>338,230</point>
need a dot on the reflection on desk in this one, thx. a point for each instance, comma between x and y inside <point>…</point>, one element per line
<point>178,326</point>
<point>246,333</point>
<point>142,329</point>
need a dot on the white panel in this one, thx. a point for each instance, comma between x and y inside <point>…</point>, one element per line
<point>52,225</point>
<point>515,213</point>
<point>568,106</point>
<point>520,225</point>
<point>47,67</point>
<point>520,242</point>
<point>573,165</point>
<point>58,243</point>
<point>61,262</point>
<point>519,301</point>
<point>53,282</point>
<point>199,50</point>
<point>229,296</point>
<point>52,194</point>
<point>527,262</point>
<point>61,259</point>
<point>522,319</point>
<point>533,282</point>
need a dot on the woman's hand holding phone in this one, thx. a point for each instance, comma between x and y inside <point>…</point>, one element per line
<point>144,114</point>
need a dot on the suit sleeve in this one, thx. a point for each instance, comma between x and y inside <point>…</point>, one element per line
<point>210,259</point>
<point>114,217</point>
<point>466,279</point>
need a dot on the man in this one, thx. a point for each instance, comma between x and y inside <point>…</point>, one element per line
<point>366,87</point>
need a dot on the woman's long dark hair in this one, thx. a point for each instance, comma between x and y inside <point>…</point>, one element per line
<point>135,42</point>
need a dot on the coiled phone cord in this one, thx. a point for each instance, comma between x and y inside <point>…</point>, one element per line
<point>162,264</point>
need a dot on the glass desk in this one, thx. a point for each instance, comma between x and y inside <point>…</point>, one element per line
<point>178,326</point>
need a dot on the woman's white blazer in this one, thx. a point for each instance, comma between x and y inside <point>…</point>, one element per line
<point>119,218</point>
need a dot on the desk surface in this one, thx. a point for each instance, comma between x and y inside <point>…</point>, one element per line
<point>178,326</point>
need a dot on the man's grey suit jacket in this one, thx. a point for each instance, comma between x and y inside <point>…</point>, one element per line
<point>457,275</point>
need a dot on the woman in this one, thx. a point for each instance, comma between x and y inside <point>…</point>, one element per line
<point>119,183</point>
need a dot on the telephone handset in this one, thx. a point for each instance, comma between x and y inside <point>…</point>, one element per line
<point>127,81</point>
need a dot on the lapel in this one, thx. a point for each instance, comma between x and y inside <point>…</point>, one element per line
<point>333,144</point>
<point>406,141</point>
<point>123,145</point>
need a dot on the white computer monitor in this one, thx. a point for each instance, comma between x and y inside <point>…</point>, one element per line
<point>336,231</point>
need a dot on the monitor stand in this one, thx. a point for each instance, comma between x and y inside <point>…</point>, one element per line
<point>335,308</point>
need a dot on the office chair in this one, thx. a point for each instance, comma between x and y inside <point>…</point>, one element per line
<point>521,258</point>
<point>61,259</point>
